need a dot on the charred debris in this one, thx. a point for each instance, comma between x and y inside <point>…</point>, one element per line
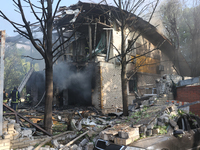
<point>81,127</point>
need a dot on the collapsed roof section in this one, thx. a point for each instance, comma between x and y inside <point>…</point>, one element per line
<point>79,16</point>
<point>83,13</point>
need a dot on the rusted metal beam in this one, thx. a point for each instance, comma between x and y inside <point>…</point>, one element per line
<point>14,112</point>
<point>35,125</point>
<point>5,114</point>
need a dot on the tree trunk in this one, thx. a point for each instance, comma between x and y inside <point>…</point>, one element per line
<point>124,90</point>
<point>48,98</point>
<point>123,69</point>
<point>49,71</point>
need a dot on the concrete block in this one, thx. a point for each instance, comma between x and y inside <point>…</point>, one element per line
<point>5,148</point>
<point>23,139</point>
<point>44,148</point>
<point>18,144</point>
<point>27,133</point>
<point>161,123</point>
<point>6,136</point>
<point>174,108</point>
<point>73,147</point>
<point>23,145</point>
<point>108,134</point>
<point>12,121</point>
<point>149,133</point>
<point>173,113</point>
<point>17,127</point>
<point>7,144</point>
<point>15,141</point>
<point>91,133</point>
<point>89,146</point>
<point>128,132</point>
<point>4,130</point>
<point>30,148</point>
<point>164,118</point>
<point>14,147</point>
<point>150,126</point>
<point>5,126</point>
<point>32,143</point>
<point>83,142</point>
<point>10,132</point>
<point>155,121</point>
<point>79,148</point>
<point>5,141</point>
<point>10,126</point>
<point>155,131</point>
<point>121,141</point>
<point>27,141</point>
<point>142,128</point>
<point>160,119</point>
<point>66,148</point>
<point>145,103</point>
<point>5,122</point>
<point>47,146</point>
<point>131,108</point>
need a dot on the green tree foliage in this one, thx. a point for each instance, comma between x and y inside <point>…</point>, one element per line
<point>182,27</point>
<point>170,16</point>
<point>15,67</point>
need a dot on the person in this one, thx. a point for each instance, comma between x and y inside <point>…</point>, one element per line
<point>28,99</point>
<point>5,100</point>
<point>15,98</point>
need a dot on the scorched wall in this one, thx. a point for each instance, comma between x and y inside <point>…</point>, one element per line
<point>107,94</point>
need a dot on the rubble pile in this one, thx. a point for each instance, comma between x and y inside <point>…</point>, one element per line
<point>144,122</point>
<point>79,129</point>
<point>14,136</point>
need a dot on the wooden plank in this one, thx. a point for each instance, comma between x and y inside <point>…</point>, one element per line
<point>90,40</point>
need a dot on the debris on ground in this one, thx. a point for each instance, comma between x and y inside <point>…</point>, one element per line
<point>80,128</point>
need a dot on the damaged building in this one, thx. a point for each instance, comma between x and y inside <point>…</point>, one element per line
<point>88,71</point>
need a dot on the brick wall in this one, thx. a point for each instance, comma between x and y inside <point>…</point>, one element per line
<point>190,94</point>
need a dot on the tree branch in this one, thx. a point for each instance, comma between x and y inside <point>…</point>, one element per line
<point>27,26</point>
<point>32,57</point>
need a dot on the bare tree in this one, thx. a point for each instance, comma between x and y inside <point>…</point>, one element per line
<point>193,23</point>
<point>182,28</point>
<point>129,25</point>
<point>44,14</point>
<point>171,15</point>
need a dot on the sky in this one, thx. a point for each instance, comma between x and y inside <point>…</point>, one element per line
<point>8,9</point>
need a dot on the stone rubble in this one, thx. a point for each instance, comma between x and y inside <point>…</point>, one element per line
<point>148,119</point>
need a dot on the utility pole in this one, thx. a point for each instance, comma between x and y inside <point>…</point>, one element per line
<point>2,52</point>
